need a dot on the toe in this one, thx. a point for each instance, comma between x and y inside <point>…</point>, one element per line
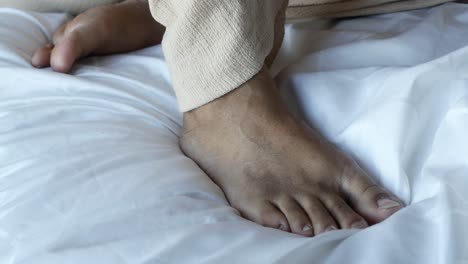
<point>377,204</point>
<point>73,41</point>
<point>266,214</point>
<point>343,213</point>
<point>321,219</point>
<point>371,201</point>
<point>41,57</point>
<point>66,53</point>
<point>297,218</point>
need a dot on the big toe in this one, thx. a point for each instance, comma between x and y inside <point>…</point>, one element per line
<point>378,204</point>
<point>66,53</point>
<point>370,200</point>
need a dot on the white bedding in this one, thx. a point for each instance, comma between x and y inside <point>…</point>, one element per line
<point>91,171</point>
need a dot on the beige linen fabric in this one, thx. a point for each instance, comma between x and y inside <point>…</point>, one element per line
<point>350,8</point>
<point>214,46</point>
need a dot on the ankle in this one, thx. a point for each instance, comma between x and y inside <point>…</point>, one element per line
<point>258,98</point>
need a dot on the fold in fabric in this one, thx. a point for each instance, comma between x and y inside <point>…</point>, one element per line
<point>345,8</point>
<point>297,8</point>
<point>91,171</point>
<point>213,47</point>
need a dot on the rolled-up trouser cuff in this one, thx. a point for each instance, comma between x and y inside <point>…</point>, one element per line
<point>213,47</point>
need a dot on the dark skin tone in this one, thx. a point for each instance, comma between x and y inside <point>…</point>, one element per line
<point>274,169</point>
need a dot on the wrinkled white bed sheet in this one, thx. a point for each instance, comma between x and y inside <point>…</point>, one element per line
<point>91,171</point>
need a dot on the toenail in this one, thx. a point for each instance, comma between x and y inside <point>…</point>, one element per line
<point>306,228</point>
<point>387,204</point>
<point>330,228</point>
<point>359,225</point>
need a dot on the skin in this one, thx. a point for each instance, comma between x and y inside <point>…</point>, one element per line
<point>103,30</point>
<point>274,169</point>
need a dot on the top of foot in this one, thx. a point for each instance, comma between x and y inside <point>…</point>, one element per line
<point>278,172</point>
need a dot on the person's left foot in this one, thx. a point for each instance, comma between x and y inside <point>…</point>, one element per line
<point>277,171</point>
<point>102,30</point>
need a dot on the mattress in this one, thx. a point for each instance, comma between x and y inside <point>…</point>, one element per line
<point>91,170</point>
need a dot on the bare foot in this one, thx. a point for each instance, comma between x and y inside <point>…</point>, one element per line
<point>116,28</point>
<point>278,172</point>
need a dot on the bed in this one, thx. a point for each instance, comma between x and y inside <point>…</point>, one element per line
<point>91,171</point>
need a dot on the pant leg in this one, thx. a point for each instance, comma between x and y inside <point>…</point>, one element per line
<point>351,8</point>
<point>214,46</point>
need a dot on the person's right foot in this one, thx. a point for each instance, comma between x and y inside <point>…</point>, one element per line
<point>278,172</point>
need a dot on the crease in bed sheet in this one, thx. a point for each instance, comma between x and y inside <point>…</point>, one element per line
<point>91,171</point>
